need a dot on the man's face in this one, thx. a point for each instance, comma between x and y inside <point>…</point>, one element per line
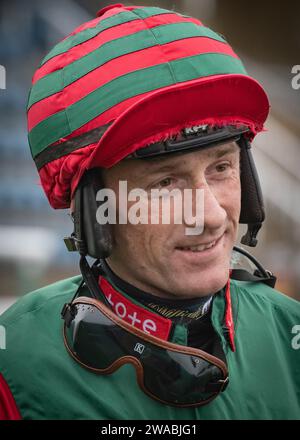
<point>160,258</point>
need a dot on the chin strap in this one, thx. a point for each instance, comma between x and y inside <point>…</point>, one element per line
<point>244,275</point>
<point>260,274</point>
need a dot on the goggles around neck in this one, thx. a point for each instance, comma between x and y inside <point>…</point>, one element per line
<point>173,374</point>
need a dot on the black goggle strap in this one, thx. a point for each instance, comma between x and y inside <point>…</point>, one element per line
<point>68,311</point>
<point>88,278</point>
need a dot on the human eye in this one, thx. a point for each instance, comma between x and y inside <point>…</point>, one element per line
<point>165,182</point>
<point>220,170</point>
<point>222,167</point>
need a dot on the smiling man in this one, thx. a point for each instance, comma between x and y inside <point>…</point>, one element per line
<point>161,326</point>
<point>149,255</point>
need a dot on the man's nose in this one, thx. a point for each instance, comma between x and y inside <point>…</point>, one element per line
<point>214,214</point>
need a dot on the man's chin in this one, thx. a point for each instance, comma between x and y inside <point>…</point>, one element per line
<point>203,284</point>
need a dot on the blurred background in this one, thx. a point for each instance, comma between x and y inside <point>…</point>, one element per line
<point>265,34</point>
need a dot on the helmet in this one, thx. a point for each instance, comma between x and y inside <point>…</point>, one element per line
<point>136,76</point>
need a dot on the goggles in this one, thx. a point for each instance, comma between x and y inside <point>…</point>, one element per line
<point>173,374</point>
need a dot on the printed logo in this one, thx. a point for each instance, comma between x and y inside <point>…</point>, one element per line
<point>135,315</point>
<point>139,348</point>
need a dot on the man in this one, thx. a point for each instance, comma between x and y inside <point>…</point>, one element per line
<point>160,327</point>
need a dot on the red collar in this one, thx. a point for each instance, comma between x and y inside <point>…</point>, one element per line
<point>143,319</point>
<point>150,322</point>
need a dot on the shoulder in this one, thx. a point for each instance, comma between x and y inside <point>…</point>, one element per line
<point>45,297</point>
<point>259,294</point>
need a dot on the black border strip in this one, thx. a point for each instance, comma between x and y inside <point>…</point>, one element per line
<point>56,151</point>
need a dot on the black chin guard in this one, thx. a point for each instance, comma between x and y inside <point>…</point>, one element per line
<point>252,205</point>
<point>89,236</point>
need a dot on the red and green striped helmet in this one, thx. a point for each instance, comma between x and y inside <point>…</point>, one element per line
<point>132,76</point>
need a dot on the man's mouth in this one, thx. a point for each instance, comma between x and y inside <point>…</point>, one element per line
<point>200,247</point>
